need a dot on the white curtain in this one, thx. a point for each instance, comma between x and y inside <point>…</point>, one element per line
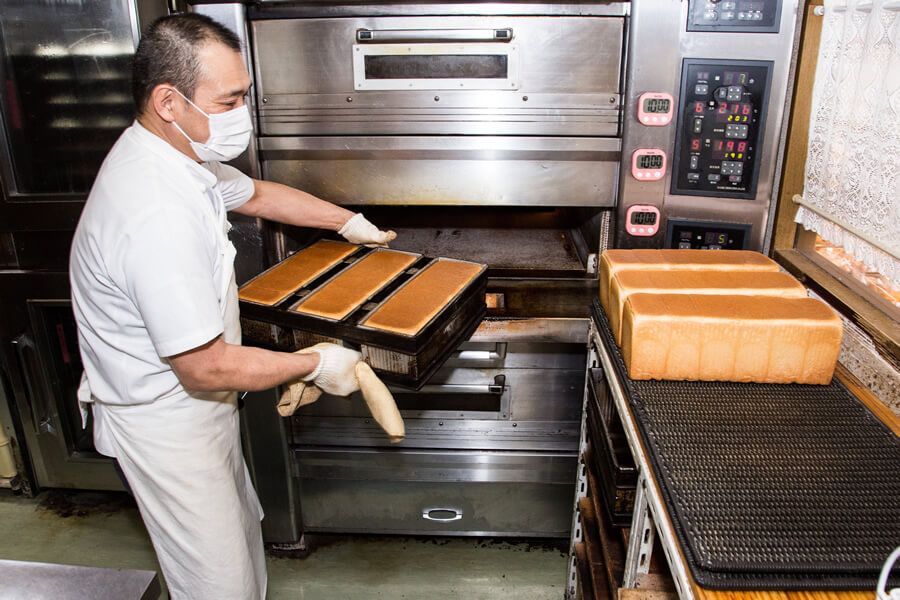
<point>851,195</point>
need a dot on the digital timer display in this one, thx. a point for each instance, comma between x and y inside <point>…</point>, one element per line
<point>655,109</point>
<point>650,161</point>
<point>643,218</point>
<point>657,105</point>
<point>648,164</point>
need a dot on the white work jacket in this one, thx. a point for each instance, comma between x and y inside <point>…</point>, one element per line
<point>152,273</point>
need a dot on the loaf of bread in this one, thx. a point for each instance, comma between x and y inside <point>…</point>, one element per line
<point>422,297</point>
<point>762,339</point>
<point>280,281</point>
<point>614,261</point>
<point>735,283</point>
<point>353,286</point>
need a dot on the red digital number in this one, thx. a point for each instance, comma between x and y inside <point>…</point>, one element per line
<point>718,146</point>
<point>742,146</point>
<point>746,109</point>
<point>695,145</point>
<point>723,109</point>
<point>698,107</point>
<point>729,146</point>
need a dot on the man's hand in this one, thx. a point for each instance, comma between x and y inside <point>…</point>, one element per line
<point>358,230</point>
<point>335,373</point>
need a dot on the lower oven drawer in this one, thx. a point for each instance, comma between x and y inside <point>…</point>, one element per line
<point>437,493</point>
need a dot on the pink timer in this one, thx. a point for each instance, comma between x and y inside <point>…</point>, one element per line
<point>642,220</point>
<point>648,164</point>
<point>655,109</point>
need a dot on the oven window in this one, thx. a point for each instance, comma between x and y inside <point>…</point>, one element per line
<point>437,66</point>
<point>66,96</point>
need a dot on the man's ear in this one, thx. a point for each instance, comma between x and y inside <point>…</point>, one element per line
<point>162,101</point>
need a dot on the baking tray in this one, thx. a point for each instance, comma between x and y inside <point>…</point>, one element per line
<point>402,359</point>
<point>613,464</point>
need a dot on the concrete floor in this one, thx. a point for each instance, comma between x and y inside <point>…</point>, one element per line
<point>105,530</point>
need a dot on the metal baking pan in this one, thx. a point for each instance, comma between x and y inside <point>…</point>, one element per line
<point>402,359</point>
<point>613,464</point>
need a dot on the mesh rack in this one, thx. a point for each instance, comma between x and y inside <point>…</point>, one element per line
<point>769,486</point>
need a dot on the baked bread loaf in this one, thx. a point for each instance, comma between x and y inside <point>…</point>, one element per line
<point>762,339</point>
<point>280,281</point>
<point>343,294</point>
<point>422,297</point>
<point>735,283</point>
<point>613,261</point>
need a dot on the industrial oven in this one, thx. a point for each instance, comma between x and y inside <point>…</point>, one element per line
<point>527,137</point>
<point>524,136</point>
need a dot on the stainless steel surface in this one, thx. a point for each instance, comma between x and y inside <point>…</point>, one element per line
<point>500,493</point>
<point>46,581</point>
<point>234,17</point>
<point>657,24</point>
<point>564,91</point>
<point>455,170</point>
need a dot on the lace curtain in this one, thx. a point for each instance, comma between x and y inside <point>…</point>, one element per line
<point>851,195</point>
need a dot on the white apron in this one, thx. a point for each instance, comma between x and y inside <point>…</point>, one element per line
<point>182,458</point>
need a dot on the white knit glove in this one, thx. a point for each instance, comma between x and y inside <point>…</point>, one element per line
<point>358,230</point>
<point>335,373</point>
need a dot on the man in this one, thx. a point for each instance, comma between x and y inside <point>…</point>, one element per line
<point>156,305</point>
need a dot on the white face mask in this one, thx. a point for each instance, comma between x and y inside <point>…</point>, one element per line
<point>229,133</point>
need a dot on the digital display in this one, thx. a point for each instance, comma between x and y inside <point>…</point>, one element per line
<point>729,150</point>
<point>643,218</point>
<point>735,78</point>
<point>657,105</point>
<point>760,6</point>
<point>734,112</point>
<point>699,108</point>
<point>715,238</point>
<point>650,161</point>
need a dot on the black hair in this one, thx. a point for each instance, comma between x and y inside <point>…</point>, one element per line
<point>167,53</point>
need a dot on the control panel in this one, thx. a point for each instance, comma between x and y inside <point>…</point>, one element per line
<point>754,16</point>
<point>706,235</point>
<point>720,120</point>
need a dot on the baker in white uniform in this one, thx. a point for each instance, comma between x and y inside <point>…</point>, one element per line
<point>155,300</point>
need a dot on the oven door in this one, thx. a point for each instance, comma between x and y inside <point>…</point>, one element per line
<point>41,369</point>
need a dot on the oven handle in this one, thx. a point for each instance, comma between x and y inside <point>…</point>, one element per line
<point>433,35</point>
<point>497,387</point>
<point>37,399</point>
<point>455,514</point>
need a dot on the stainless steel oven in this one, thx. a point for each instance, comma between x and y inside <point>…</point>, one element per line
<point>483,132</point>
